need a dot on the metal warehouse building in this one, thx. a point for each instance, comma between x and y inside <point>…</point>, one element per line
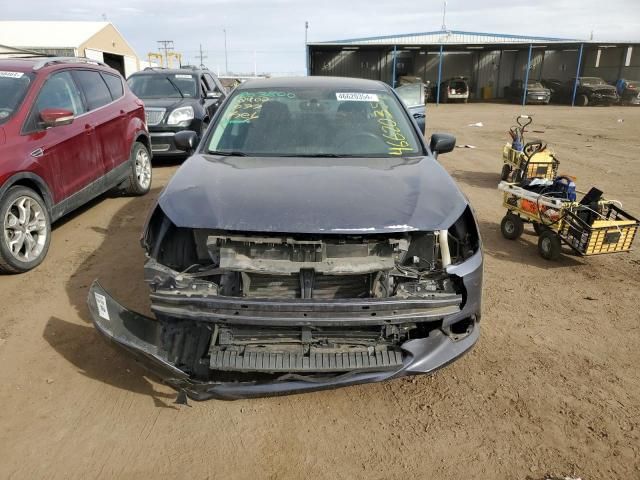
<point>95,40</point>
<point>489,61</point>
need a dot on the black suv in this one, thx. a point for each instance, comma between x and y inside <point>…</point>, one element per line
<point>176,100</point>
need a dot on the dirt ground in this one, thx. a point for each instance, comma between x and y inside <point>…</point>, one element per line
<point>552,388</point>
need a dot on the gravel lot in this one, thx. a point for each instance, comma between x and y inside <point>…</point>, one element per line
<point>551,388</point>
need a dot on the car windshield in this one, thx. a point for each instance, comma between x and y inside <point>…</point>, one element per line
<point>163,86</point>
<point>534,85</point>
<point>13,87</point>
<point>314,122</point>
<point>592,81</point>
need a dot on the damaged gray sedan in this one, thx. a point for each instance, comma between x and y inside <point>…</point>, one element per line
<point>311,241</point>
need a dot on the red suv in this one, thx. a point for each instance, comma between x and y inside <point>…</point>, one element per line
<point>70,130</point>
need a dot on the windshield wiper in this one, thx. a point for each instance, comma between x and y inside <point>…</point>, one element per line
<point>176,87</point>
<point>232,153</point>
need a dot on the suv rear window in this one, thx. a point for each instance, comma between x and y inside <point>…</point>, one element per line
<point>95,89</point>
<point>115,85</point>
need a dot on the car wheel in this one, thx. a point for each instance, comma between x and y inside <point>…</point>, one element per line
<point>549,245</point>
<point>141,173</point>
<point>511,226</point>
<point>506,170</point>
<point>26,230</point>
<point>582,100</point>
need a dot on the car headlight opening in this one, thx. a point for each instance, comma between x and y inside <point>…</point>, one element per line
<point>181,117</point>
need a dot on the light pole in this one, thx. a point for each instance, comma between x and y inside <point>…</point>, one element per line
<point>226,58</point>
<point>306,48</point>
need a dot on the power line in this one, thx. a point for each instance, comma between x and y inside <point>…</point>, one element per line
<point>166,45</point>
<point>202,57</point>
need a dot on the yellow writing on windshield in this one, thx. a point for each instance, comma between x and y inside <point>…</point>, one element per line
<point>392,135</point>
<point>249,104</point>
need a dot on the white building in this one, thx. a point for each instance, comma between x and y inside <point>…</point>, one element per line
<point>96,40</point>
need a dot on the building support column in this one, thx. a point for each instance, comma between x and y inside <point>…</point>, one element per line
<point>575,83</point>
<point>393,74</point>
<point>439,76</point>
<point>497,95</point>
<point>526,77</point>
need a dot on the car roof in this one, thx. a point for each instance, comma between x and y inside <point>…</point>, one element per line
<point>46,64</point>
<point>18,64</point>
<point>313,82</point>
<point>171,71</point>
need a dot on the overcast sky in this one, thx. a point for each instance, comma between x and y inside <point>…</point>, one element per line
<point>274,29</point>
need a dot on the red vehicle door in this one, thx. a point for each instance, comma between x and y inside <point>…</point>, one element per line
<point>69,152</point>
<point>108,116</point>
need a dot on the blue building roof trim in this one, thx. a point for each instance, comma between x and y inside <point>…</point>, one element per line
<point>454,32</point>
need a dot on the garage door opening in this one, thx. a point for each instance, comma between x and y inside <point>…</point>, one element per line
<point>114,61</point>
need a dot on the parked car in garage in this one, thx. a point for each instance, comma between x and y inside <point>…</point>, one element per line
<point>536,92</point>
<point>453,90</point>
<point>312,241</point>
<point>176,100</point>
<point>629,91</point>
<point>589,91</point>
<point>70,130</point>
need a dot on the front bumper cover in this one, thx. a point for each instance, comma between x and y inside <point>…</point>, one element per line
<point>140,335</point>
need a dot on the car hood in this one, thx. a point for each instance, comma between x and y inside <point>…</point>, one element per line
<point>312,195</point>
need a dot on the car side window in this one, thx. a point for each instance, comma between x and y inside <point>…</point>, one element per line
<point>204,86</point>
<point>60,92</point>
<point>114,83</point>
<point>94,87</point>
<point>214,85</point>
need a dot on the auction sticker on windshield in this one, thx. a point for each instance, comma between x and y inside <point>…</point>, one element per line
<point>180,75</point>
<point>11,74</point>
<point>356,97</point>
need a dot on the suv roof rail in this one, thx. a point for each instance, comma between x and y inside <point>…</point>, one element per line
<point>52,60</point>
<point>154,68</point>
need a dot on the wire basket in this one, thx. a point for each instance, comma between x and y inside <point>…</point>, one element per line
<point>613,230</point>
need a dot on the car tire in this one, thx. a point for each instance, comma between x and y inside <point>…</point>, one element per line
<point>511,227</point>
<point>141,172</point>
<point>506,171</point>
<point>549,245</point>
<point>25,220</point>
<point>582,100</point>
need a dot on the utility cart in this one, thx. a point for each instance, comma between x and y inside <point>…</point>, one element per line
<point>522,160</point>
<point>592,226</point>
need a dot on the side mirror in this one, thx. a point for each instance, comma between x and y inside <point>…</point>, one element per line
<point>442,143</point>
<point>213,95</point>
<point>55,117</point>
<point>186,140</point>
